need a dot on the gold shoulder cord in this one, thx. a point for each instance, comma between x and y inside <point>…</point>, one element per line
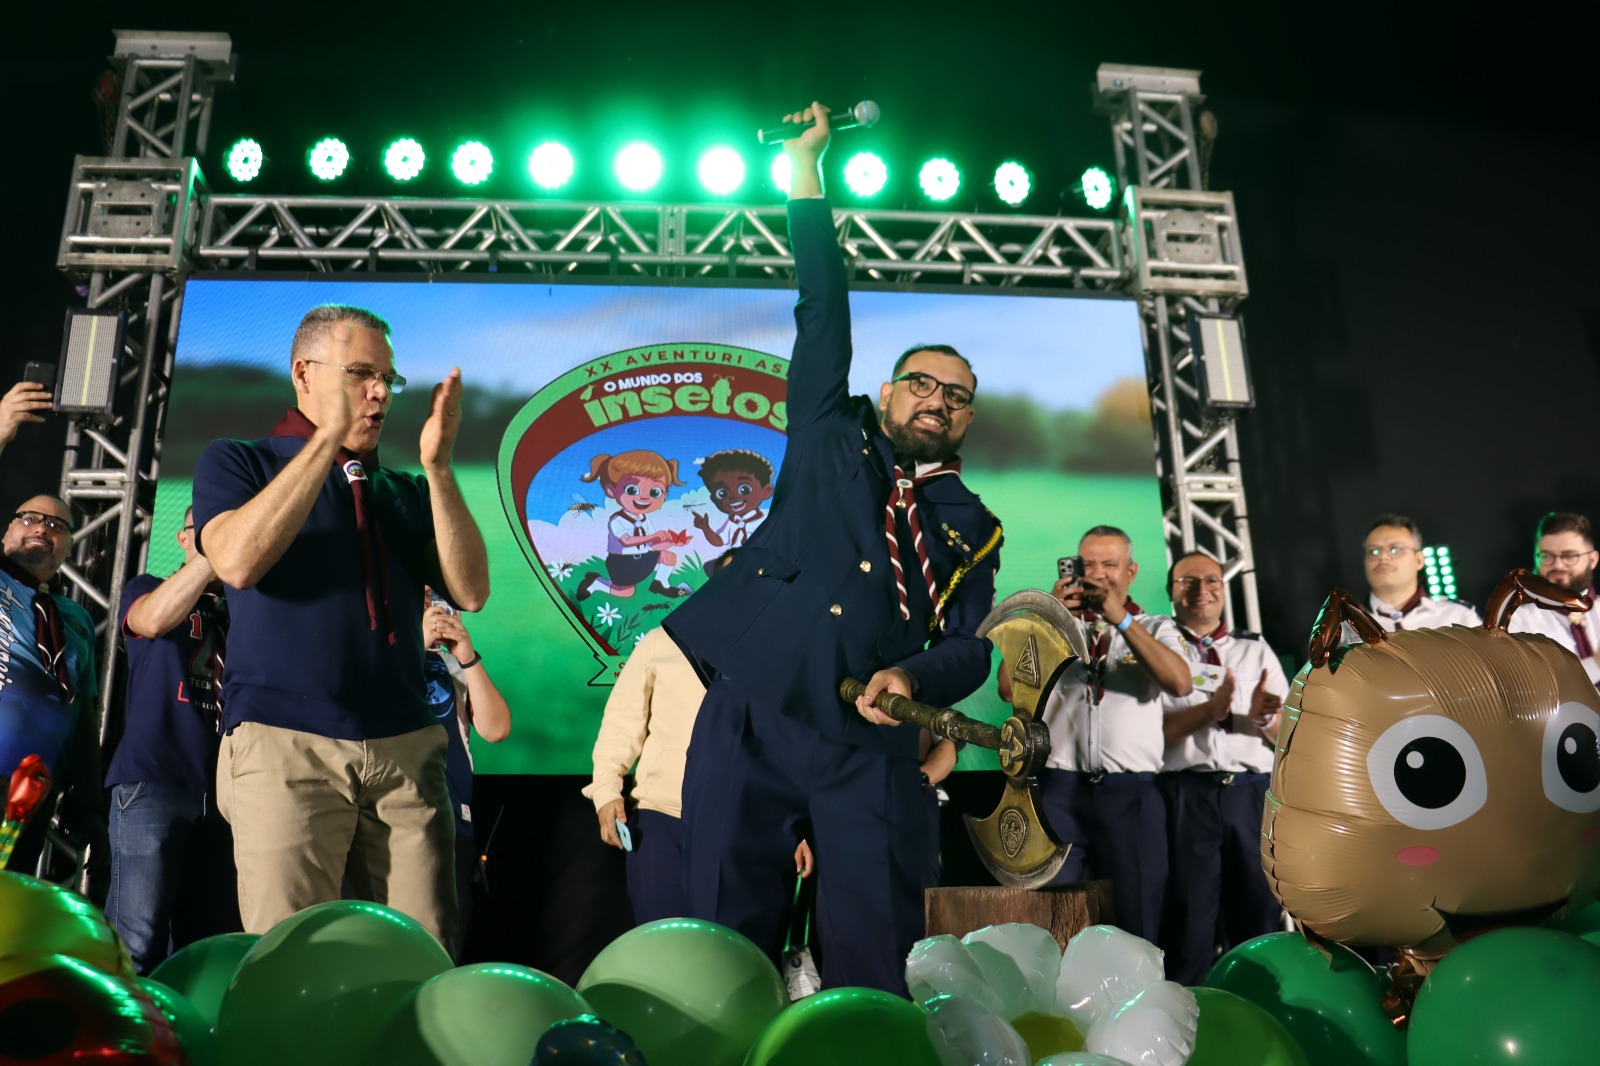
<point>961,572</point>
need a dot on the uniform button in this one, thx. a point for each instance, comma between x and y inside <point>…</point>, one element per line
<point>836,610</point>
<point>866,567</point>
<point>761,571</point>
<point>866,451</point>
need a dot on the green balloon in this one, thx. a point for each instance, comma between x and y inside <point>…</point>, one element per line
<point>314,989</point>
<point>491,1014</point>
<point>846,1027</point>
<point>1583,923</point>
<point>192,1028</point>
<point>689,993</point>
<point>1234,1031</point>
<point>200,971</point>
<point>1331,1006</point>
<point>1510,996</point>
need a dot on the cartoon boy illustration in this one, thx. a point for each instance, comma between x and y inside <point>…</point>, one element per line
<point>638,481</point>
<point>740,482</point>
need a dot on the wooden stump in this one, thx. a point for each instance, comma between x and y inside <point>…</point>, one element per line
<point>1064,911</point>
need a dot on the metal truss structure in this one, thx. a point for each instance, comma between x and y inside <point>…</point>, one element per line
<point>140,221</point>
<point>332,234</point>
<point>1184,255</point>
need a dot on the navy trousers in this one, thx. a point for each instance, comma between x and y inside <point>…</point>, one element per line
<point>752,781</point>
<point>1219,894</point>
<point>655,867</point>
<point>1117,827</point>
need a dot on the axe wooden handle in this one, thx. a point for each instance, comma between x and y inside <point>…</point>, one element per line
<point>940,721</point>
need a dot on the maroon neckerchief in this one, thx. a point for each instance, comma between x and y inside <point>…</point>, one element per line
<point>1580,635</point>
<point>374,560</point>
<point>1209,656</point>
<point>903,497</point>
<point>50,636</point>
<point>1406,608</point>
<point>1102,647</point>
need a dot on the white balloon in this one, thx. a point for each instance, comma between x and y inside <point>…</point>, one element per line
<point>1078,1058</point>
<point>1103,966</point>
<point>966,1033</point>
<point>940,966</point>
<point>1018,952</point>
<point>1155,1028</point>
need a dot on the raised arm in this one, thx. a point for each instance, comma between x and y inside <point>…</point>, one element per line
<point>819,373</point>
<point>169,604</point>
<point>245,542</point>
<point>463,559</point>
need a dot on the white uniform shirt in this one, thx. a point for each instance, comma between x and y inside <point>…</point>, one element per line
<point>1120,732</point>
<point>1211,747</point>
<point>1426,613</point>
<point>1557,625</point>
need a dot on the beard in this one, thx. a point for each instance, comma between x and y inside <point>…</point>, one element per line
<point>921,445</point>
<point>1578,582</point>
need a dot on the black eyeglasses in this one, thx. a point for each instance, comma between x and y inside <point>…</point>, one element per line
<point>366,375</point>
<point>1564,558</point>
<point>49,521</point>
<point>955,396</point>
<point>1189,584</point>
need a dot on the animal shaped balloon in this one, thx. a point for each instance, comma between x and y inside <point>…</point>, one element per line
<point>1436,783</point>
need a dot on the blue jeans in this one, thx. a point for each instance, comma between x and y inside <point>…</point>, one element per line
<point>172,874</point>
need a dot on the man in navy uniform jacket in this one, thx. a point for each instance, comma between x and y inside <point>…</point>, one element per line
<point>875,563</point>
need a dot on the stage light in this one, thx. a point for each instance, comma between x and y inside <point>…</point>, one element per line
<point>1098,188</point>
<point>403,159</point>
<point>328,158</point>
<point>472,163</point>
<point>939,179</point>
<point>550,165</point>
<point>638,166</point>
<point>91,358</point>
<point>1012,183</point>
<point>244,160</point>
<point>721,171</point>
<point>865,174</point>
<point>782,171</point>
<point>1441,573</point>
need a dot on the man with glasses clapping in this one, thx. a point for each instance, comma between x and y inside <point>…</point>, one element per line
<point>1564,553</point>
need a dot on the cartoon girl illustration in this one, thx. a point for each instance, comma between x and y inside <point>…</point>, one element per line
<point>638,481</point>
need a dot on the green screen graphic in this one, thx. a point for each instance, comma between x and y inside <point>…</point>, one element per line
<point>689,381</point>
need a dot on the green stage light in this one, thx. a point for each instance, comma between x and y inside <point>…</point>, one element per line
<point>638,166</point>
<point>1098,188</point>
<point>721,171</point>
<point>550,165</point>
<point>244,160</point>
<point>939,179</point>
<point>328,158</point>
<point>865,174</point>
<point>403,159</point>
<point>782,171</point>
<point>1012,183</point>
<point>472,163</point>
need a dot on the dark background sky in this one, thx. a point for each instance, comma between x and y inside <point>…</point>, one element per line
<point>1415,197</point>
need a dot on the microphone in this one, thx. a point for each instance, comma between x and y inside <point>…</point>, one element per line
<point>863,114</point>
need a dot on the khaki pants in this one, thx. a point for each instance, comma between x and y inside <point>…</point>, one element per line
<point>308,811</point>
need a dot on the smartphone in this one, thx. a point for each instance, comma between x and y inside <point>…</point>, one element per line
<point>623,836</point>
<point>40,374</point>
<point>1070,568</point>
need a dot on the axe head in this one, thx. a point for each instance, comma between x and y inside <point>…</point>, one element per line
<point>1037,638</point>
<point>1014,842</point>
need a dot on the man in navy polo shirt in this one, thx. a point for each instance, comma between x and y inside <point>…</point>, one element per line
<point>172,877</point>
<point>332,763</point>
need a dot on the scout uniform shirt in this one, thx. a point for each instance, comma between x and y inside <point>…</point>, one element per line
<point>1214,746</point>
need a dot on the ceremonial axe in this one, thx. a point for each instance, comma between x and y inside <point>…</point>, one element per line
<point>1037,638</point>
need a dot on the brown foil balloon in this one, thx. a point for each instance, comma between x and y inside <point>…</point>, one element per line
<point>1435,783</point>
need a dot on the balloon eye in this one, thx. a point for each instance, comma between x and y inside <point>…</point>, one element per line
<point>1427,772</point>
<point>1570,762</point>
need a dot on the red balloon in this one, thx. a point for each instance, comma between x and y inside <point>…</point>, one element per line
<point>56,1010</point>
